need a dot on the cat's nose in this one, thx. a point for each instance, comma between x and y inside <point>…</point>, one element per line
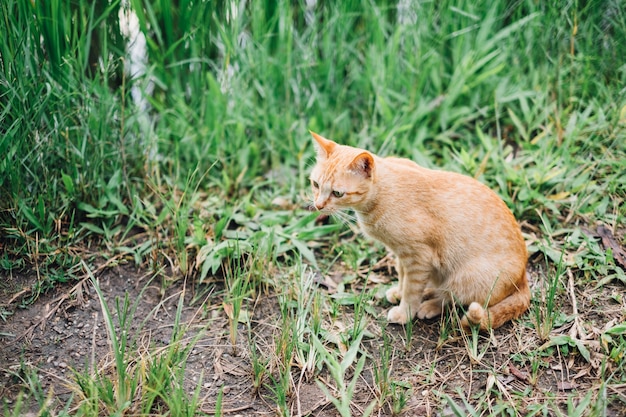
<point>319,204</point>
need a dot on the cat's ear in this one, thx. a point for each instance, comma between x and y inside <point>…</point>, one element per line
<point>323,146</point>
<point>363,165</point>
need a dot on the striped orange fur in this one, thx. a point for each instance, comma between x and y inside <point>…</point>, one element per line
<point>453,237</point>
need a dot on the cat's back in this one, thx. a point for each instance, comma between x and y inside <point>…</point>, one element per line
<point>451,211</point>
<point>410,180</point>
<point>406,178</point>
<point>450,199</point>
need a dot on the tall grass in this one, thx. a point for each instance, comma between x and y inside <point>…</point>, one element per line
<point>238,84</point>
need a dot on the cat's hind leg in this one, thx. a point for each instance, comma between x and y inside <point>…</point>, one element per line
<point>431,308</point>
<point>434,302</point>
<point>497,314</point>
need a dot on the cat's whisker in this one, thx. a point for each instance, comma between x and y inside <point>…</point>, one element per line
<point>347,217</point>
<point>344,218</point>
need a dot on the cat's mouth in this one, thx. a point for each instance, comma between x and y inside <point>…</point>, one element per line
<point>323,218</point>
<point>324,214</point>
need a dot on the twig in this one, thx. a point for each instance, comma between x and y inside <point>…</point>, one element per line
<point>227,410</point>
<point>18,295</point>
<point>577,331</point>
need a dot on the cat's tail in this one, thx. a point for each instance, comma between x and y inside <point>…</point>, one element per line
<point>495,316</point>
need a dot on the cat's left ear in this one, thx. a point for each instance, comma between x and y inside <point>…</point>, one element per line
<point>363,165</point>
<point>323,146</point>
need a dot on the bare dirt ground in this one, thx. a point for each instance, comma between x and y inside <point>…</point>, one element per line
<point>64,330</point>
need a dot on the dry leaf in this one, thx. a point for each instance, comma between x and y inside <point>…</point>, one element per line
<point>228,309</point>
<point>608,241</point>
<point>378,279</point>
<point>522,376</point>
<point>566,385</point>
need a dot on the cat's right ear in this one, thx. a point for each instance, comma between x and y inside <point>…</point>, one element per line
<point>363,165</point>
<point>323,146</point>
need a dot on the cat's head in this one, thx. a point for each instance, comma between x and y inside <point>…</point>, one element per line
<point>342,177</point>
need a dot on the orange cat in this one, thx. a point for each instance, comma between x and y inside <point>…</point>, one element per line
<point>454,238</point>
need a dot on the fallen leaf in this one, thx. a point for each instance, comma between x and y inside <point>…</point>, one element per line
<point>334,336</point>
<point>566,385</point>
<point>217,366</point>
<point>608,241</point>
<point>522,376</point>
<point>228,309</point>
<point>378,279</point>
<point>491,380</point>
<point>581,373</point>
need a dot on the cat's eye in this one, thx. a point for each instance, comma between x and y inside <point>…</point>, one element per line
<point>338,194</point>
<point>315,184</point>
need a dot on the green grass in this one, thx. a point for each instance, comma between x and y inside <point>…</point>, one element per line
<point>210,178</point>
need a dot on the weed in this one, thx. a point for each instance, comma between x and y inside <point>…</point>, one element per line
<point>400,395</point>
<point>459,410</point>
<point>382,368</point>
<point>338,369</point>
<point>218,402</point>
<point>143,380</point>
<point>258,363</point>
<point>238,283</point>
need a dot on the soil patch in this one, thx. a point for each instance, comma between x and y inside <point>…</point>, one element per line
<point>432,363</point>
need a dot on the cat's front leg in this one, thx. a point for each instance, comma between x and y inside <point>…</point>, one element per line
<point>394,294</point>
<point>413,286</point>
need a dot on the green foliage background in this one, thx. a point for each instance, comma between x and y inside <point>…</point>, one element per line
<point>528,96</point>
<point>196,165</point>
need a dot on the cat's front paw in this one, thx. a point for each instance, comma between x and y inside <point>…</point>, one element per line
<point>393,295</point>
<point>399,315</point>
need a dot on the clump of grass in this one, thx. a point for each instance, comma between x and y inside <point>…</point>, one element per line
<point>338,368</point>
<point>545,310</point>
<point>238,287</point>
<point>142,380</point>
<point>432,86</point>
<point>258,364</point>
<point>390,392</point>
